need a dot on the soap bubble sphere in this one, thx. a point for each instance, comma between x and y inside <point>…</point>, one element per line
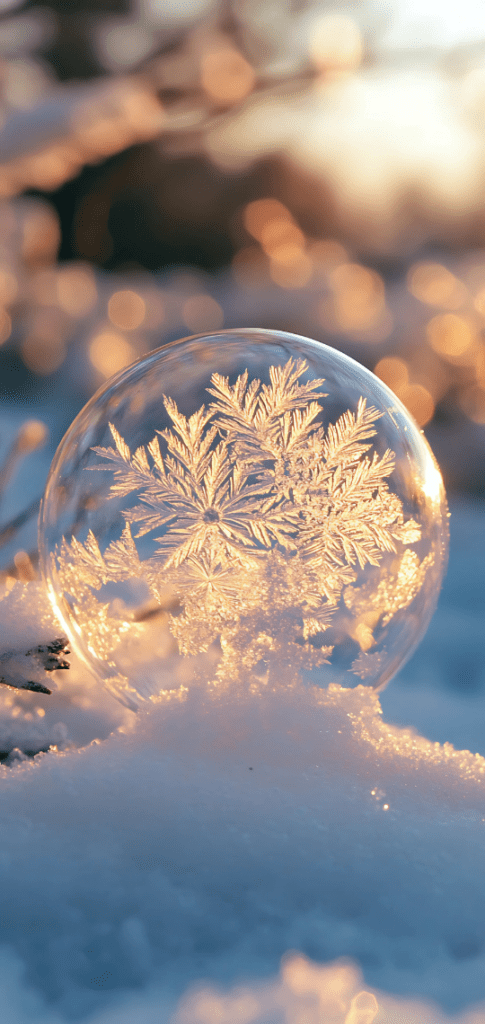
<point>245,508</point>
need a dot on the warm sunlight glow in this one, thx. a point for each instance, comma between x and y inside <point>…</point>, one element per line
<point>433,483</point>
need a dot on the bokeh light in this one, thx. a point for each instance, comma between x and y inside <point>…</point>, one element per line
<point>417,399</point>
<point>451,336</point>
<point>76,290</point>
<point>436,285</point>
<point>226,76</point>
<point>126,309</point>
<point>335,43</point>
<point>359,296</point>
<point>110,352</point>
<point>202,313</point>
<point>5,326</point>
<point>393,371</point>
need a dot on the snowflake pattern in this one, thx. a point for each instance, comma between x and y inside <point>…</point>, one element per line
<point>262,522</point>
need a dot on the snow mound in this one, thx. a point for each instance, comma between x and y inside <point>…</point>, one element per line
<point>207,837</point>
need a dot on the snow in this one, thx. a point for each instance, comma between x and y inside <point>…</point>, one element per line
<point>158,867</point>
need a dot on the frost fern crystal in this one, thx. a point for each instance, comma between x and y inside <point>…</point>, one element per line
<point>262,522</point>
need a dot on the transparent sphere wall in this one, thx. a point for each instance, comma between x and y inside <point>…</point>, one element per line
<point>246,508</point>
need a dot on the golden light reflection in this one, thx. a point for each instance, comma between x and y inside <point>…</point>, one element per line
<point>226,76</point>
<point>202,313</point>
<point>432,485</point>
<point>126,309</point>
<point>435,285</point>
<point>450,335</point>
<point>110,352</point>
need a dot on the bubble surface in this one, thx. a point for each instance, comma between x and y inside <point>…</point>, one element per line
<point>244,508</point>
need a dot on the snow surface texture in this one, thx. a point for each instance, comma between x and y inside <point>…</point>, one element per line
<point>156,868</point>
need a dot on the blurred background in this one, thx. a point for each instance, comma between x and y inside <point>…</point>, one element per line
<point>168,168</point>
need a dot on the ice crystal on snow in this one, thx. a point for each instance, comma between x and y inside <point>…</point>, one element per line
<point>264,520</point>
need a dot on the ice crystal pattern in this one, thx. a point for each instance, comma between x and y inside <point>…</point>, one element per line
<point>262,521</point>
